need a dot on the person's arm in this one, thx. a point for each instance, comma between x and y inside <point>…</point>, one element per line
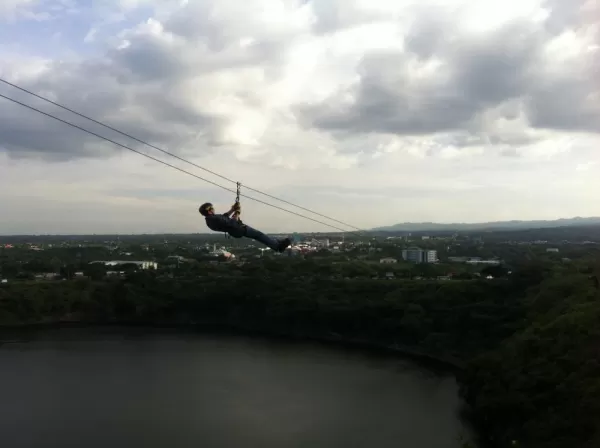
<point>231,210</point>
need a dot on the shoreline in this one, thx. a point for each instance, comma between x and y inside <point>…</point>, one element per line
<point>444,363</point>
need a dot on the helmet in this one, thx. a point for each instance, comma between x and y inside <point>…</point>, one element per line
<point>204,208</point>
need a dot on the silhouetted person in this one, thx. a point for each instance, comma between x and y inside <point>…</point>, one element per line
<point>237,229</point>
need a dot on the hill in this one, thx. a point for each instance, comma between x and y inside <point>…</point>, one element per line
<point>494,225</point>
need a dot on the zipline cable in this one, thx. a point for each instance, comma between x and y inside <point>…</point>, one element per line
<point>170,154</point>
<point>168,164</point>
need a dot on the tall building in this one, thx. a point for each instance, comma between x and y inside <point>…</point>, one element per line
<point>431,256</point>
<point>412,254</point>
<point>417,255</point>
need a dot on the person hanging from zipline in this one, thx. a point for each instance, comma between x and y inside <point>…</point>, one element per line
<point>234,226</point>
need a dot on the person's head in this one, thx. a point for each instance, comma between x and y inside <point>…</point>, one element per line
<point>206,209</point>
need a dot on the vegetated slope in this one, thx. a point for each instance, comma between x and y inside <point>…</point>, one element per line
<point>530,345</point>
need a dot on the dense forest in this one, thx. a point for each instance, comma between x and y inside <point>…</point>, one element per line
<point>526,344</point>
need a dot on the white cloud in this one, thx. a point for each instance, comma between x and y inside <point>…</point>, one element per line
<point>368,111</point>
<point>11,9</point>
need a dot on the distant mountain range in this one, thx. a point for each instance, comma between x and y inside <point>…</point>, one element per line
<point>496,225</point>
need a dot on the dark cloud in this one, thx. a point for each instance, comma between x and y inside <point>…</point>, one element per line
<point>490,71</point>
<point>472,75</point>
<point>568,102</point>
<point>147,88</point>
<point>564,13</point>
<point>152,111</point>
<point>151,60</point>
<point>26,133</point>
<point>429,31</point>
<point>445,81</point>
<point>51,143</point>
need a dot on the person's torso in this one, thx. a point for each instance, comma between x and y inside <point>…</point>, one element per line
<point>220,223</point>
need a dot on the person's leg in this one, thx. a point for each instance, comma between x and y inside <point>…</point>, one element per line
<point>261,237</point>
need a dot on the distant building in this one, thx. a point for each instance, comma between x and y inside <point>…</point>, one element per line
<point>140,264</point>
<point>474,260</point>
<point>431,256</point>
<point>46,276</point>
<point>552,249</point>
<point>417,255</point>
<point>490,262</point>
<point>222,252</point>
<point>412,254</point>
<point>388,260</point>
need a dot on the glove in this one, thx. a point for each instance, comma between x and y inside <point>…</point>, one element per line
<point>237,207</point>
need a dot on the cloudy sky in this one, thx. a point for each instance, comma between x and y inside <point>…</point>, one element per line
<point>369,111</point>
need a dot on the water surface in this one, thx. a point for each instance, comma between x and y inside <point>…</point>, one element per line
<point>146,388</point>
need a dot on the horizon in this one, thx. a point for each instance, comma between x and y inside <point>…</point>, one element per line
<point>363,111</point>
<point>333,232</point>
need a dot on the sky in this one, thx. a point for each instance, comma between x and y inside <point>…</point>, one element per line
<point>372,112</point>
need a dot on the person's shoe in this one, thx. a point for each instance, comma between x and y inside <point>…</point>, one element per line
<point>283,244</point>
